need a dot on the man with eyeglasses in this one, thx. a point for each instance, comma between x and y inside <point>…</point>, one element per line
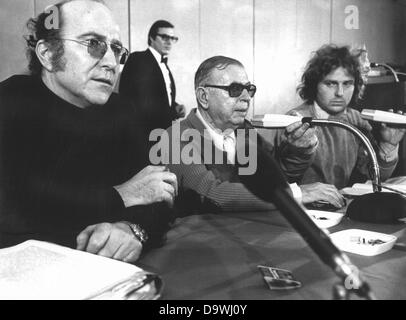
<point>223,94</point>
<point>147,80</point>
<point>330,89</point>
<point>74,170</point>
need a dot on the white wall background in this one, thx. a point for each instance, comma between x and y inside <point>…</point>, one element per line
<point>272,38</point>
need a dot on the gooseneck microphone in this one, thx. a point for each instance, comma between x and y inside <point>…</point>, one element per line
<point>376,176</point>
<point>380,64</point>
<point>269,184</point>
<point>376,207</point>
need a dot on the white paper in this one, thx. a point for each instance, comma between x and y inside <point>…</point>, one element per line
<point>41,270</point>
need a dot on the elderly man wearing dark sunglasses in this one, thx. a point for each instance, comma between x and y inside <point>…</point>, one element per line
<point>223,94</point>
<point>73,169</point>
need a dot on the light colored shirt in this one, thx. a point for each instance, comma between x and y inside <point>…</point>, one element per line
<point>165,73</point>
<point>224,141</point>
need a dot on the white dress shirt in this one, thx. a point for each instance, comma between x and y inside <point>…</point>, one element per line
<point>165,73</point>
<point>224,141</point>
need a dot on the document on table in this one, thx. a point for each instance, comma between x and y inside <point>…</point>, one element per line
<point>42,270</point>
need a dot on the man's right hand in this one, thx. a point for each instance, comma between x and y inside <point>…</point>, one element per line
<point>151,185</point>
<point>322,192</point>
<point>301,136</point>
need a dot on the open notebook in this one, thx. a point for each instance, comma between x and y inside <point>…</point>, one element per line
<point>41,270</point>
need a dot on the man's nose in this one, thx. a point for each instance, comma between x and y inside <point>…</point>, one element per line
<point>339,90</point>
<point>109,59</point>
<point>245,95</point>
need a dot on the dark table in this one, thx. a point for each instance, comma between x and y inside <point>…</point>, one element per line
<point>216,257</point>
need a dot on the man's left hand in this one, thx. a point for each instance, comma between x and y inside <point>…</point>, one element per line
<point>112,240</point>
<point>180,110</point>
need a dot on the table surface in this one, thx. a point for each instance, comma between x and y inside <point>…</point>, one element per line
<point>216,257</point>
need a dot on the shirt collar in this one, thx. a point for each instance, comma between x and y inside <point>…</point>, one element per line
<point>216,134</point>
<point>156,54</point>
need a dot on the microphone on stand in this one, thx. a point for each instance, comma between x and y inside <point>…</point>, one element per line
<point>269,184</point>
<point>376,207</point>
<point>380,64</point>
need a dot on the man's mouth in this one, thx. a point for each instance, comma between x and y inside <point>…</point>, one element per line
<point>105,81</point>
<point>241,110</point>
<point>337,102</point>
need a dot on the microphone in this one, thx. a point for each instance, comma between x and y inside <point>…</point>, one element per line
<point>383,116</point>
<point>274,120</point>
<point>380,64</point>
<point>376,207</point>
<point>269,184</point>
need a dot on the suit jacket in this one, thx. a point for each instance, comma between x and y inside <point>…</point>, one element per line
<point>142,81</point>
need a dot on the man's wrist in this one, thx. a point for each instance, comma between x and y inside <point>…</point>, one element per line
<point>139,233</point>
<point>127,195</point>
<point>388,152</point>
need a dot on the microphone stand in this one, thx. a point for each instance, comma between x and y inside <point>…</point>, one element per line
<point>320,242</point>
<point>371,152</point>
<point>374,64</point>
<point>375,207</point>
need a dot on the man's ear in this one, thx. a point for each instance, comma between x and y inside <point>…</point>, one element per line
<point>44,55</point>
<point>202,97</point>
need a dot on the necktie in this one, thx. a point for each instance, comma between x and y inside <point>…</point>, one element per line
<point>164,59</point>
<point>229,148</point>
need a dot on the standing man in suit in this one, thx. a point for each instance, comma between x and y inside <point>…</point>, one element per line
<point>147,80</point>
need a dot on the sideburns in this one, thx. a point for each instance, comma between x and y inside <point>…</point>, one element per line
<point>58,60</point>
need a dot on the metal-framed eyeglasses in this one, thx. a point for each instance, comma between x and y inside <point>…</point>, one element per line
<point>98,48</point>
<point>235,89</point>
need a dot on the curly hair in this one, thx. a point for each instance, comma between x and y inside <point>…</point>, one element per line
<point>325,60</point>
<point>39,31</point>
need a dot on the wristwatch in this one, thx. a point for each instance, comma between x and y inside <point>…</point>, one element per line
<point>138,232</point>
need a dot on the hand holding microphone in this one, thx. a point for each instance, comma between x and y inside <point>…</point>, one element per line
<point>298,133</point>
<point>393,125</point>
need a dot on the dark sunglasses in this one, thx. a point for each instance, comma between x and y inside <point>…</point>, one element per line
<point>236,89</point>
<point>98,48</point>
<point>165,37</point>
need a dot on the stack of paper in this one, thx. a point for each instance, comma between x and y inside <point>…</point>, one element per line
<point>41,270</point>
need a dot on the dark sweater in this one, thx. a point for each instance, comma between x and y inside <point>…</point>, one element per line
<point>59,163</point>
